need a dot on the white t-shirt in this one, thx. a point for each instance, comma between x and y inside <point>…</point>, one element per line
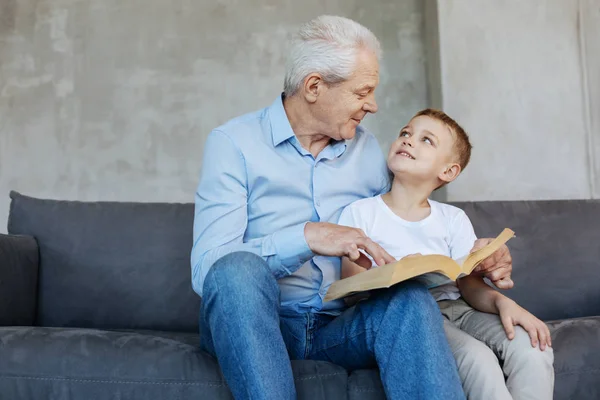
<point>447,231</point>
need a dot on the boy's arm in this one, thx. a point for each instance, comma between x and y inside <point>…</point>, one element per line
<point>350,268</point>
<point>483,298</point>
<point>478,294</point>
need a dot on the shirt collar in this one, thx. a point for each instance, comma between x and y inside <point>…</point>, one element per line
<point>281,130</point>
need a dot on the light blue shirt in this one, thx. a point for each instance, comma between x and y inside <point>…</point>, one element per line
<point>258,189</point>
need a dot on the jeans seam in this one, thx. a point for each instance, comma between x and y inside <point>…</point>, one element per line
<point>238,363</point>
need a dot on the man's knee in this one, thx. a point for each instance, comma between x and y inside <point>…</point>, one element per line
<point>239,272</point>
<point>412,295</point>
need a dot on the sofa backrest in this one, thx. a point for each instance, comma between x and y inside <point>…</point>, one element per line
<point>111,265</point>
<point>556,252</point>
<point>127,265</point>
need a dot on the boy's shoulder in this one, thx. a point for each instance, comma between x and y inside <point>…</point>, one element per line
<point>367,203</point>
<point>360,210</point>
<point>447,210</point>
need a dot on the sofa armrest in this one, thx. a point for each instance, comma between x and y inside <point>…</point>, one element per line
<point>19,260</point>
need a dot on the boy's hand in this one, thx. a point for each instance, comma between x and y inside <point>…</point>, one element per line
<point>512,314</point>
<point>497,267</point>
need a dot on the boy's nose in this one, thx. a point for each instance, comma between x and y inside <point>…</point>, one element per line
<point>407,142</point>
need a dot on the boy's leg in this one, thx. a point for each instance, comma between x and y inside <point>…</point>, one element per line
<point>529,371</point>
<point>239,324</point>
<point>478,366</point>
<point>399,330</point>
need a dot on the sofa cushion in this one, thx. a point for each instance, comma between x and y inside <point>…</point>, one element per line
<point>111,265</point>
<point>576,358</point>
<point>38,363</point>
<point>555,252</point>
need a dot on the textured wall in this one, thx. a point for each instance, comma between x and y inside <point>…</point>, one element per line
<point>112,99</point>
<point>524,78</point>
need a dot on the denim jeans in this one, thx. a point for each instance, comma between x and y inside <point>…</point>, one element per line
<point>398,330</point>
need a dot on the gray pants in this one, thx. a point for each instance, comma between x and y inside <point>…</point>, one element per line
<point>484,356</point>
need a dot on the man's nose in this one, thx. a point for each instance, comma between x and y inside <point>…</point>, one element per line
<point>371,105</point>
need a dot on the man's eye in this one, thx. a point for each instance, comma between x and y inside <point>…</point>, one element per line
<point>362,95</point>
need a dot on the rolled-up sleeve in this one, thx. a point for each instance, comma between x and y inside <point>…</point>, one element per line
<point>221,217</point>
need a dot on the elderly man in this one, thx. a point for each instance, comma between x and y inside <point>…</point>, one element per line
<point>266,246</point>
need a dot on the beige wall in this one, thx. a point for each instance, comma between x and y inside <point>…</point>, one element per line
<point>524,78</point>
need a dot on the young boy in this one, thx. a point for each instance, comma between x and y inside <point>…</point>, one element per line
<point>480,323</point>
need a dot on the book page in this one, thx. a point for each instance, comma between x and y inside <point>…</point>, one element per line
<point>390,274</point>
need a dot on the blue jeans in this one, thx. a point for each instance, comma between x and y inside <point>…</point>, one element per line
<point>398,330</point>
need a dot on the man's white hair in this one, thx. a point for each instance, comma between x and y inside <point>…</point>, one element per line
<point>327,45</point>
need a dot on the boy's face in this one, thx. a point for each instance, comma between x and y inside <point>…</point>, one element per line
<point>423,150</point>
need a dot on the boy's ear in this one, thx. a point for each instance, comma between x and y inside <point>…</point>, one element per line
<point>450,173</point>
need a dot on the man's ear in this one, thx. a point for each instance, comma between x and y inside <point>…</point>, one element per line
<point>313,85</point>
<point>450,173</point>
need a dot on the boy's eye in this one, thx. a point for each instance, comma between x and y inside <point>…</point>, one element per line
<point>427,140</point>
<point>404,134</point>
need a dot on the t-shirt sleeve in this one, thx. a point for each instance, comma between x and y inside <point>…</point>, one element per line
<point>348,217</point>
<point>462,235</point>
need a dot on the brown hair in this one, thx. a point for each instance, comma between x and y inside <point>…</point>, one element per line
<point>462,145</point>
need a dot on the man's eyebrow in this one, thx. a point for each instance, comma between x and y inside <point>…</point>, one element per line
<point>366,87</point>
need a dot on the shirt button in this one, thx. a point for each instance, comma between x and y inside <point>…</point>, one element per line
<point>318,203</point>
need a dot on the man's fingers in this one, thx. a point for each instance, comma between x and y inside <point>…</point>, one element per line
<point>508,327</point>
<point>505,283</point>
<point>353,253</point>
<point>377,252</point>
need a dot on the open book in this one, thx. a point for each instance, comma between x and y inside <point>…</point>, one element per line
<point>390,274</point>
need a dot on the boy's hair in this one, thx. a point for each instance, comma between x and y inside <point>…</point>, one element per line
<point>462,146</point>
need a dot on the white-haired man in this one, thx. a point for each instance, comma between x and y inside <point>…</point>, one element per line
<point>266,246</point>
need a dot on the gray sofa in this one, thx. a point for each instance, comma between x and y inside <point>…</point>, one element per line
<point>96,301</point>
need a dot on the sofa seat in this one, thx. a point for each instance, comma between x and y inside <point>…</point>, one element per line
<point>70,363</point>
<point>576,357</point>
<point>576,363</point>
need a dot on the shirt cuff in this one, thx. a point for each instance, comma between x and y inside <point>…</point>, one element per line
<point>291,247</point>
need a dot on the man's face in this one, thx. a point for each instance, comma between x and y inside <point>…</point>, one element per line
<point>340,108</point>
<point>424,149</point>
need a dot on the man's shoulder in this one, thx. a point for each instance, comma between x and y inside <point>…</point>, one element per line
<point>244,127</point>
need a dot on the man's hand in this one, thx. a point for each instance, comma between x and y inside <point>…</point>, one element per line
<point>328,239</point>
<point>497,267</point>
<point>512,314</point>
